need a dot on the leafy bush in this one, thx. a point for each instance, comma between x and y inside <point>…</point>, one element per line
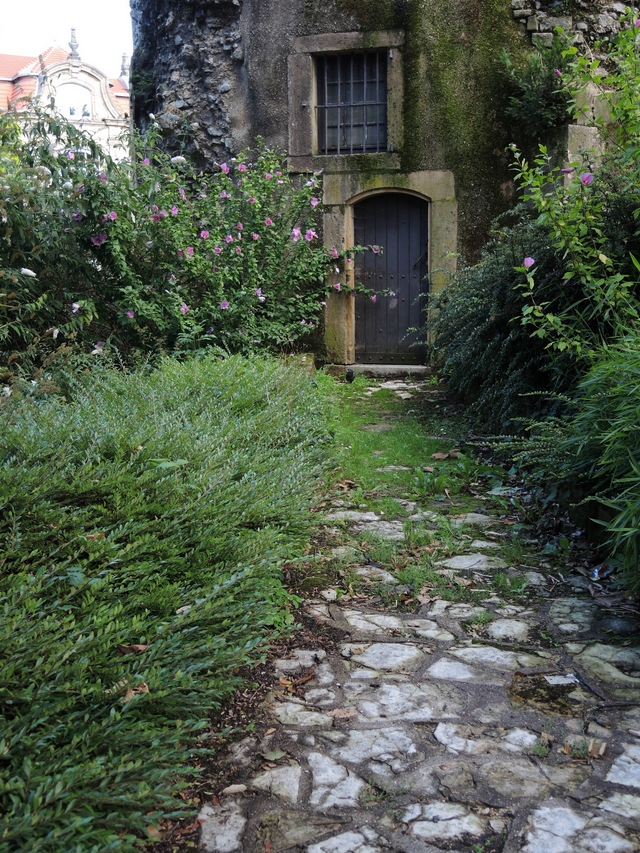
<point>539,98</point>
<point>487,356</point>
<point>154,256</point>
<point>604,444</point>
<point>592,216</point>
<point>143,520</point>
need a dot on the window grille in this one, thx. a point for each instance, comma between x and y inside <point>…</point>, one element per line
<point>351,103</point>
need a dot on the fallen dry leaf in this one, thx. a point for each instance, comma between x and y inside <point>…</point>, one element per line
<point>342,713</point>
<point>273,754</point>
<point>439,455</point>
<point>129,650</point>
<point>269,731</point>
<point>428,469</point>
<point>154,832</point>
<point>135,691</point>
<point>234,789</point>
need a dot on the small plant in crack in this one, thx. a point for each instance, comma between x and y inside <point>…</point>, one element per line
<point>482,618</point>
<point>372,795</point>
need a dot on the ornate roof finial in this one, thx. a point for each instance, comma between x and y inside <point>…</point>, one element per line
<point>125,67</point>
<point>73,44</point>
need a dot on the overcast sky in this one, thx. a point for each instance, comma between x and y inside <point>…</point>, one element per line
<point>103,30</point>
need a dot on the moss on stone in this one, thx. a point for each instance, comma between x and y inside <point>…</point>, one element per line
<point>454,96</point>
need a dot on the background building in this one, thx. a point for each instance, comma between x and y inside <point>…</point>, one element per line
<point>82,93</point>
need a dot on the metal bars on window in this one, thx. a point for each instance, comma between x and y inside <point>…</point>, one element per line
<point>351,108</point>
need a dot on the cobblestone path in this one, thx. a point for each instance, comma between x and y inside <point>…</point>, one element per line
<point>480,727</point>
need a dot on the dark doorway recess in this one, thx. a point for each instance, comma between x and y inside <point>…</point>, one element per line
<point>399,223</point>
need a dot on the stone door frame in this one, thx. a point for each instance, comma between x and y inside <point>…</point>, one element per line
<point>341,191</point>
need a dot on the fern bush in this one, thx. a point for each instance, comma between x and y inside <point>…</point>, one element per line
<point>144,518</point>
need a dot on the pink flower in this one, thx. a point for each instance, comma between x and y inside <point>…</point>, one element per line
<point>251,200</point>
<point>77,217</point>
<point>102,177</point>
<point>228,239</point>
<point>217,250</point>
<point>303,322</point>
<point>71,155</point>
<point>310,235</point>
<point>586,178</point>
<point>567,170</point>
<point>376,250</point>
<point>240,226</point>
<point>224,168</point>
<point>242,168</point>
<point>149,243</point>
<point>557,72</point>
<point>281,182</point>
<point>323,303</point>
<point>189,251</point>
<point>204,235</point>
<point>336,286</point>
<point>256,236</point>
<point>112,215</point>
<point>295,235</point>
<point>528,263</point>
<point>224,304</point>
<point>131,314</point>
<point>314,202</point>
<point>174,210</point>
<point>336,270</point>
<point>99,239</point>
<point>268,176</point>
<point>146,161</point>
<point>268,221</point>
<point>224,194</point>
<point>183,194</point>
<point>180,253</point>
<point>75,307</point>
<point>238,250</point>
<point>638,23</point>
<point>374,298</point>
<point>279,174</point>
<point>184,308</point>
<point>334,253</point>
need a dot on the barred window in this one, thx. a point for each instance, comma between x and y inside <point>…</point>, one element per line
<point>351,103</point>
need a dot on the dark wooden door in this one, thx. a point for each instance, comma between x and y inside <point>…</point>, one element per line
<point>397,276</point>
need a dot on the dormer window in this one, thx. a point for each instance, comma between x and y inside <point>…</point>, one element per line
<point>351,103</point>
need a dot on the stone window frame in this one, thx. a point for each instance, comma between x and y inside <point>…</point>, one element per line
<point>303,154</point>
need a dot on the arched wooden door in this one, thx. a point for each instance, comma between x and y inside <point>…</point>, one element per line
<point>397,222</point>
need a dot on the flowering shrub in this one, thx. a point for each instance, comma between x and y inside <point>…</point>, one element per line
<point>154,256</point>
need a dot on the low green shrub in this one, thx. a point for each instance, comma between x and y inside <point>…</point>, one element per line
<point>143,521</point>
<point>486,355</point>
<point>604,443</point>
<point>539,98</point>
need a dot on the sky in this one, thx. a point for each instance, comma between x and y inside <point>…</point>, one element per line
<point>103,30</point>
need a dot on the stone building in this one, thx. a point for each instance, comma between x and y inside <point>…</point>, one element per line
<point>81,92</point>
<point>399,103</point>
